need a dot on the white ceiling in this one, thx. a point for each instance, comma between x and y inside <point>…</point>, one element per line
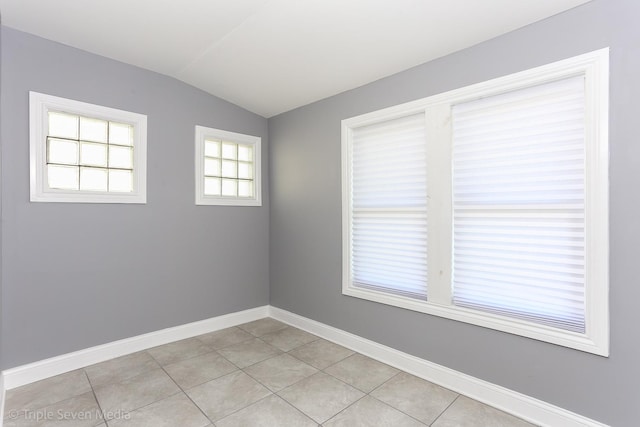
<point>270,56</point>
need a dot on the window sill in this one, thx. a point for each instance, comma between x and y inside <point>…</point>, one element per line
<point>87,197</point>
<point>582,342</point>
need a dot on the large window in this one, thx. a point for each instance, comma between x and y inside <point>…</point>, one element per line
<point>487,204</point>
<point>227,168</point>
<point>86,153</point>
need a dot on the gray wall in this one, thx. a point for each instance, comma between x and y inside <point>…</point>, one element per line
<point>79,275</point>
<point>305,237</point>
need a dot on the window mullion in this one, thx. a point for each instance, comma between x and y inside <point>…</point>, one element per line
<point>438,125</point>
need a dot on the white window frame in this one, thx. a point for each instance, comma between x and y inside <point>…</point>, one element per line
<point>39,106</point>
<point>202,133</point>
<point>437,109</point>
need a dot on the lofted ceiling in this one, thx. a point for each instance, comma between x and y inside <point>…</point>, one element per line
<point>270,56</point>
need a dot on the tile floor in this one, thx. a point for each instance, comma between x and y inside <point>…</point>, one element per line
<point>262,373</point>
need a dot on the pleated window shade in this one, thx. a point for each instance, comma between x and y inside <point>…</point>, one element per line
<point>389,207</point>
<point>519,204</point>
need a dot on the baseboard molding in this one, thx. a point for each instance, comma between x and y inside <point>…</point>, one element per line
<point>518,404</point>
<point>36,371</point>
<point>2,395</point>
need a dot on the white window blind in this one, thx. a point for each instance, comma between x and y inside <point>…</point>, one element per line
<point>389,207</point>
<point>519,204</point>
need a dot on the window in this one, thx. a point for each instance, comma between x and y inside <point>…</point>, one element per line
<point>227,168</point>
<point>487,204</point>
<point>85,153</point>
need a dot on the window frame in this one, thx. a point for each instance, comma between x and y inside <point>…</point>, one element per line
<point>437,109</point>
<point>201,134</point>
<point>39,107</point>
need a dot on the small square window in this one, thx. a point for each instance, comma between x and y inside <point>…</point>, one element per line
<point>86,153</point>
<point>227,168</point>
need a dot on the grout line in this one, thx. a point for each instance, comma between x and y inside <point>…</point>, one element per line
<point>185,394</point>
<point>445,409</point>
<point>39,408</point>
<point>104,420</point>
<point>343,410</point>
<point>295,408</point>
<point>394,375</point>
<point>397,409</point>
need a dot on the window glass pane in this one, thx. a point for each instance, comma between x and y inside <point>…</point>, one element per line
<point>245,153</point>
<point>63,125</point>
<point>93,129</point>
<point>245,170</point>
<point>120,157</point>
<point>212,167</point>
<point>212,186</point>
<point>212,148</point>
<point>63,151</point>
<point>245,188</point>
<point>120,133</point>
<point>229,150</point>
<point>62,177</point>
<point>229,169</point>
<point>93,179</point>
<point>93,154</point>
<point>120,181</point>
<point>229,187</point>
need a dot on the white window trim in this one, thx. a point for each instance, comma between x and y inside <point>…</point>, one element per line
<point>39,106</point>
<point>202,133</point>
<point>595,66</point>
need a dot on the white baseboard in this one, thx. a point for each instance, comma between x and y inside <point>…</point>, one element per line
<point>36,371</point>
<point>518,404</point>
<point>2,395</point>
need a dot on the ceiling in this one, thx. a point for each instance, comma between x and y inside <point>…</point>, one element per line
<point>270,56</point>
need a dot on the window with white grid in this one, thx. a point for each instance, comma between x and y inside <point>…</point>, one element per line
<point>86,153</point>
<point>227,168</point>
<point>487,204</point>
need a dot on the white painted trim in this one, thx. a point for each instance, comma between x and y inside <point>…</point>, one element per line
<point>36,371</point>
<point>39,106</point>
<point>3,393</point>
<point>238,138</point>
<point>595,67</point>
<point>518,404</point>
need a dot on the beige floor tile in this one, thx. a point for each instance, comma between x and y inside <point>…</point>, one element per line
<point>200,369</point>
<point>228,394</point>
<point>288,338</point>
<point>269,412</point>
<point>179,350</point>
<point>225,337</point>
<point>262,326</point>
<point>78,411</point>
<point>421,399</point>
<point>321,353</point>
<point>249,352</point>
<point>46,392</point>
<point>466,412</point>
<point>177,410</point>
<point>136,392</point>
<point>369,412</point>
<point>320,396</point>
<point>121,368</point>
<point>362,372</point>
<point>280,371</point>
